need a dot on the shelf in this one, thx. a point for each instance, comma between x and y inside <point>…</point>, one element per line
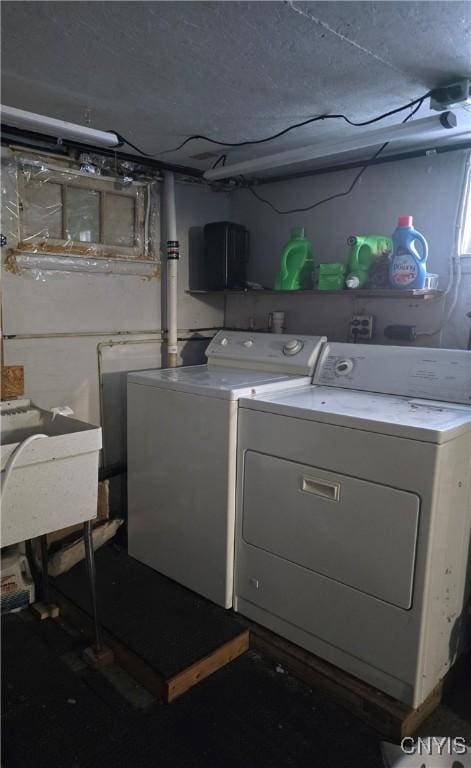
<point>361,293</point>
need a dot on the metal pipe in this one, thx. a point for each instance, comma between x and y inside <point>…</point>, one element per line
<point>44,569</point>
<point>147,219</point>
<point>35,575</point>
<point>183,334</point>
<point>19,137</point>
<point>90,558</point>
<point>173,255</point>
<point>381,160</point>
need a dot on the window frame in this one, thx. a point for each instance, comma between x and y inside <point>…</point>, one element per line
<point>104,185</point>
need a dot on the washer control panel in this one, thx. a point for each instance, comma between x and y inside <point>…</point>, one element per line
<point>418,372</point>
<point>265,351</point>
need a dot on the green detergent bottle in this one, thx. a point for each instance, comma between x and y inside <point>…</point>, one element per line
<point>365,250</point>
<point>297,266</point>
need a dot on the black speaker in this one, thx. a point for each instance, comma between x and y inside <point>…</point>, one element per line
<point>225,256</point>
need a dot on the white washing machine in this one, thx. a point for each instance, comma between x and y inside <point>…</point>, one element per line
<point>353,513</point>
<point>182,431</point>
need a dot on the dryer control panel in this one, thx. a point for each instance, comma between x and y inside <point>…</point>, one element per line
<point>418,372</point>
<point>296,354</point>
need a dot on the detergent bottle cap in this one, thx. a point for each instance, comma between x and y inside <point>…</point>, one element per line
<point>405,221</point>
<point>352,281</point>
<point>297,232</point>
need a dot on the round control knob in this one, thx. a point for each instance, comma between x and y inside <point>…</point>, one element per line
<point>343,367</point>
<point>224,342</point>
<point>248,343</point>
<point>292,347</point>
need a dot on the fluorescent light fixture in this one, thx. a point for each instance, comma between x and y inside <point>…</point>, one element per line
<point>49,125</point>
<point>425,129</point>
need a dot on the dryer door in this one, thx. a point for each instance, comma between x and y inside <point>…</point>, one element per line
<point>359,533</point>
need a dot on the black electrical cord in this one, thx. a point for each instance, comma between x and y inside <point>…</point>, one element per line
<point>122,141</point>
<point>222,159</point>
<point>353,184</point>
<point>310,120</point>
<point>325,199</point>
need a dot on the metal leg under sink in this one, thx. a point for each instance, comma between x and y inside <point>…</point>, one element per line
<point>99,654</point>
<point>90,560</point>
<point>43,608</point>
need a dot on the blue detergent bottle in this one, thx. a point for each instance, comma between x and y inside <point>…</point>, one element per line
<point>409,258</point>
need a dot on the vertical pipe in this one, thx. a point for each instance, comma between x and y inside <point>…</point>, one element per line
<point>32,566</point>
<point>173,255</point>
<point>90,558</point>
<point>44,570</point>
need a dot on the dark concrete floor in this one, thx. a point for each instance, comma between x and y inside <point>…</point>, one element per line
<point>59,713</point>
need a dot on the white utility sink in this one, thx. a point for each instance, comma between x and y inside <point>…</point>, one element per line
<point>54,481</point>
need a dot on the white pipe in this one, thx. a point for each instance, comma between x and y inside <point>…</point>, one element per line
<point>12,459</point>
<point>30,121</point>
<point>425,129</point>
<point>146,220</point>
<point>173,254</point>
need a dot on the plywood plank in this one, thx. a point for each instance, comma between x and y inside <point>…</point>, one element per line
<point>13,381</point>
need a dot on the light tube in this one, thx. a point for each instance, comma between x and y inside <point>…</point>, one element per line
<point>425,128</point>
<point>30,121</point>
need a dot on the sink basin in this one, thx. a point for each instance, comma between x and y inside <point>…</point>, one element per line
<point>54,481</point>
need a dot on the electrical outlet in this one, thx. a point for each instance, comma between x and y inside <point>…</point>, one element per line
<point>361,328</point>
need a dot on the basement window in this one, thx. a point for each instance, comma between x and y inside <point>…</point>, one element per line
<point>70,212</point>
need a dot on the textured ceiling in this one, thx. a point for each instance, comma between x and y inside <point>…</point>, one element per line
<point>159,71</point>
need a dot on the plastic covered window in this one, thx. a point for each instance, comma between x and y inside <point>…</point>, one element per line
<point>70,212</point>
<point>119,215</point>
<point>82,215</point>
<point>42,210</point>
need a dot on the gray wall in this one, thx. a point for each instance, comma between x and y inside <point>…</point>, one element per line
<point>429,188</point>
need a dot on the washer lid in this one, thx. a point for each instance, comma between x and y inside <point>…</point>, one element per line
<point>435,422</point>
<point>226,383</point>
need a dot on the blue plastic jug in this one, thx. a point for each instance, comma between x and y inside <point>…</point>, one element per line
<point>408,262</point>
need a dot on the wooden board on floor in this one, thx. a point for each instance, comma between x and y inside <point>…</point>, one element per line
<point>389,717</point>
<point>186,679</point>
<point>166,636</point>
<point>166,689</point>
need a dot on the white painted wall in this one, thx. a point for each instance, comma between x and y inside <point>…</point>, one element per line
<point>429,188</point>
